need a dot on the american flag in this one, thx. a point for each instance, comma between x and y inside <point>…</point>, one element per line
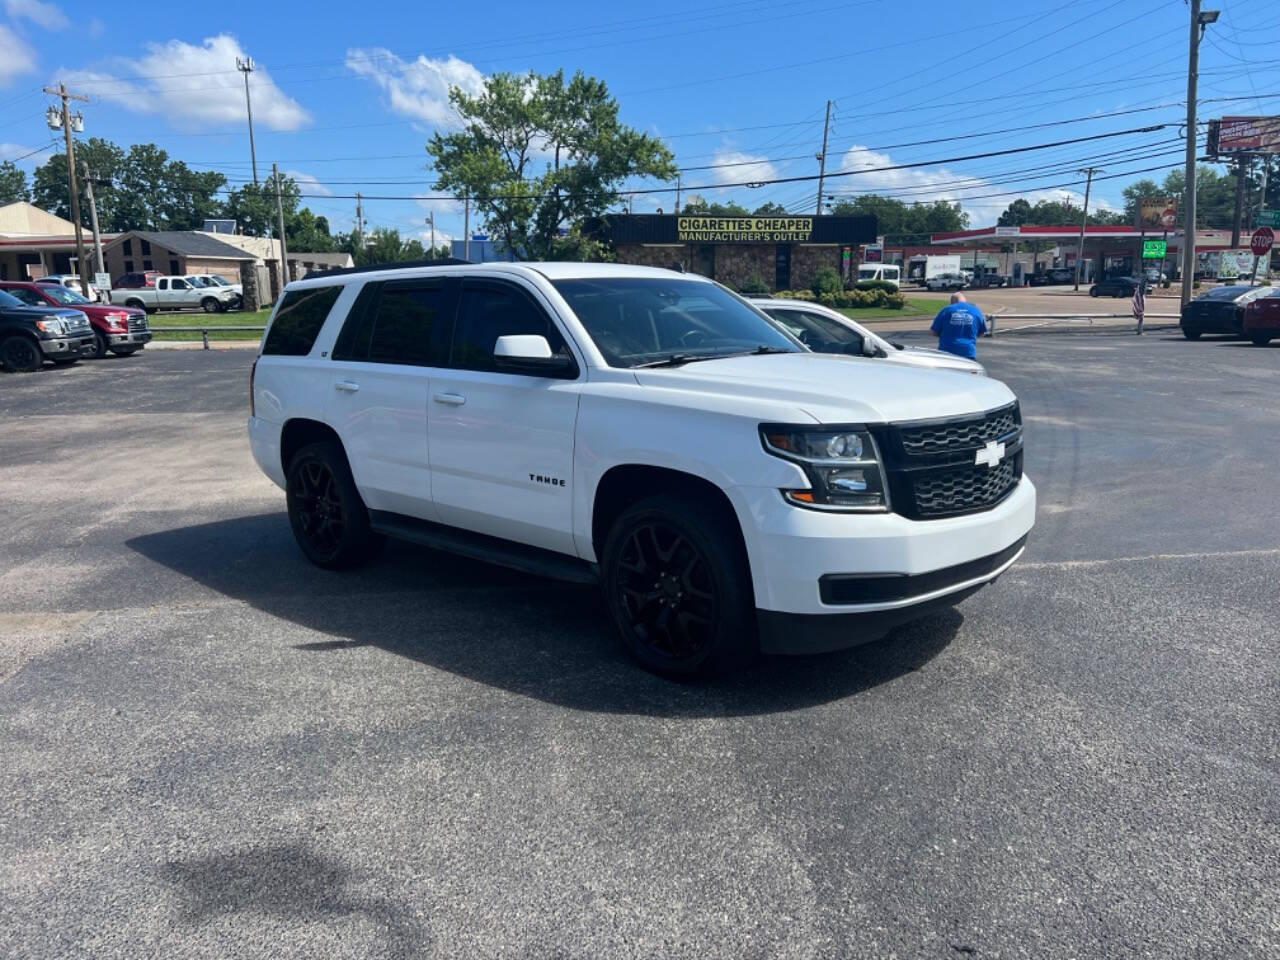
<point>1139,302</point>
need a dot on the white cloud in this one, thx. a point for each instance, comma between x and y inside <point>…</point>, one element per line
<point>734,166</point>
<point>8,151</point>
<point>417,88</point>
<point>442,237</point>
<point>96,28</point>
<point>45,15</point>
<point>939,183</point>
<point>194,85</point>
<point>443,208</point>
<point>15,56</point>
<point>307,183</point>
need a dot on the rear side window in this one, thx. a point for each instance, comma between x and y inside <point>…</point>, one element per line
<point>398,322</point>
<point>490,312</point>
<point>298,321</point>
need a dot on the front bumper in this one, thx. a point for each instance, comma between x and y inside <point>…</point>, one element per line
<point>58,348</point>
<point>128,339</point>
<point>931,562</point>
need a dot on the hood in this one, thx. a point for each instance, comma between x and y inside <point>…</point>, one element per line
<point>43,313</point>
<point>936,358</point>
<point>836,389</point>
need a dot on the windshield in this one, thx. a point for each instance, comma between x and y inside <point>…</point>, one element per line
<point>818,333</point>
<point>637,320</point>
<point>198,282</point>
<point>9,300</point>
<point>215,281</point>
<point>62,294</point>
<point>867,273</point>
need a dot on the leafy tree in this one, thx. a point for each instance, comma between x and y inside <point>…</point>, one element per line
<point>385,245</point>
<point>1052,213</point>
<point>13,183</point>
<point>698,207</point>
<point>49,185</point>
<point>902,221</point>
<point>515,122</point>
<point>191,197</point>
<point>253,206</point>
<point>305,231</point>
<point>771,209</point>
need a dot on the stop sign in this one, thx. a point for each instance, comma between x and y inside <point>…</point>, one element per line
<point>1261,241</point>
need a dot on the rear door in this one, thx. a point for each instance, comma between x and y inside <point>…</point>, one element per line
<point>501,442</point>
<point>383,360</point>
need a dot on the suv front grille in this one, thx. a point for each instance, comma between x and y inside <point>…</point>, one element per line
<point>933,469</point>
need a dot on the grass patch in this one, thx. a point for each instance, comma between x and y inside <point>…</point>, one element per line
<point>159,322</point>
<point>915,307</point>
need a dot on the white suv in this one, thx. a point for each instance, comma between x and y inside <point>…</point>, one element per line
<point>645,429</point>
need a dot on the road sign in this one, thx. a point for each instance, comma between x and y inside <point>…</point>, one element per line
<point>1154,249</point>
<point>1261,241</point>
<point>1269,218</point>
<point>102,281</point>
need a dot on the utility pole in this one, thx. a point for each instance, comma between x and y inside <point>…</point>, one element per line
<point>431,219</point>
<point>677,194</point>
<point>284,251</point>
<point>65,120</point>
<point>466,227</point>
<point>1241,167</point>
<point>1084,219</point>
<point>245,66</point>
<point>822,160</point>
<point>93,216</point>
<point>1199,20</point>
<point>359,222</point>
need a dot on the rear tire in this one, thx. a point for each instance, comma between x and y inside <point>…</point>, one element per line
<point>678,586</point>
<point>1260,339</point>
<point>19,354</point>
<point>1191,334</point>
<point>135,303</point>
<point>328,516</point>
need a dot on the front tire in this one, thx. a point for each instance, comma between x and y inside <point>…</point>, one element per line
<point>678,586</point>
<point>1260,339</point>
<point>211,305</point>
<point>99,346</point>
<point>328,516</point>
<point>19,354</point>
<point>1191,334</point>
<point>125,351</point>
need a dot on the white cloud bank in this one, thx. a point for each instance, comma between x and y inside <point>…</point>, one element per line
<point>15,56</point>
<point>47,16</point>
<point>416,88</point>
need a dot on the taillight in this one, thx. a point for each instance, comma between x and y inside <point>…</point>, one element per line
<point>253,372</point>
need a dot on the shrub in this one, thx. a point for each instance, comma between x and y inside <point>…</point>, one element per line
<point>827,281</point>
<point>754,284</point>
<point>884,285</point>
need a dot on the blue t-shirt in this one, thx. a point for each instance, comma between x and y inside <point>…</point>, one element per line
<point>958,327</point>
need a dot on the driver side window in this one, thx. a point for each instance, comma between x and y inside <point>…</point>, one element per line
<point>492,311</point>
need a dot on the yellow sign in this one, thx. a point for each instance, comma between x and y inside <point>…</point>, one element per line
<point>744,229</point>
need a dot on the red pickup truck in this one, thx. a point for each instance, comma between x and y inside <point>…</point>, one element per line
<point>122,330</point>
<point>1262,319</point>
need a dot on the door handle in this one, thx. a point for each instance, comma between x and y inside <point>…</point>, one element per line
<point>451,399</point>
<point>346,386</point>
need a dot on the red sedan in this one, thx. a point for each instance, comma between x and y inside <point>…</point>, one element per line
<point>1262,319</point>
<point>122,330</point>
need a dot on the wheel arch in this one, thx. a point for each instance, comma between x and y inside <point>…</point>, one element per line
<point>625,484</point>
<point>300,431</point>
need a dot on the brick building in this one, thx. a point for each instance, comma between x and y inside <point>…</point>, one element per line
<point>781,252</point>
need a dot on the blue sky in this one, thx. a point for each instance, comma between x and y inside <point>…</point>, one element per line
<point>346,96</point>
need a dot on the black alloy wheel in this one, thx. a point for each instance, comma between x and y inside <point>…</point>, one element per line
<point>19,354</point>
<point>678,585</point>
<point>328,516</point>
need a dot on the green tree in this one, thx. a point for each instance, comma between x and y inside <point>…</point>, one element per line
<point>515,122</point>
<point>771,209</point>
<point>253,206</point>
<point>191,197</point>
<point>307,232</point>
<point>49,185</point>
<point>385,245</point>
<point>902,221</point>
<point>13,183</point>
<point>699,207</point>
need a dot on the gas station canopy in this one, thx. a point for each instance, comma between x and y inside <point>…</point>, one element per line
<point>1030,233</point>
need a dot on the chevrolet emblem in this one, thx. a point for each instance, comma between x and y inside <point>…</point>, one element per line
<point>991,454</point>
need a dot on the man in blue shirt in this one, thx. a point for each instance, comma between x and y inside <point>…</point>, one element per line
<point>958,327</point>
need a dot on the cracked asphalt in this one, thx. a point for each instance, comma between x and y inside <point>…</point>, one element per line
<point>209,748</point>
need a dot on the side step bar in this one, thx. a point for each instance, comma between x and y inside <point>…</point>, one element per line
<point>477,546</point>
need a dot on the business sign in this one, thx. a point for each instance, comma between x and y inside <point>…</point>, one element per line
<point>1224,264</point>
<point>873,253</point>
<point>1269,218</point>
<point>744,229</point>
<point>1154,249</point>
<point>102,281</point>
<point>1157,213</point>
<point>1008,231</point>
<point>1246,135</point>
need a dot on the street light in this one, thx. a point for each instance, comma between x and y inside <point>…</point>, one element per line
<point>1207,17</point>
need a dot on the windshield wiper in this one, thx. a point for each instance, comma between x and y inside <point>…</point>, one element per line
<point>671,360</point>
<point>679,359</point>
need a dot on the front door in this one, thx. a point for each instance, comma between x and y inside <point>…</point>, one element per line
<point>782,269</point>
<point>383,362</point>
<point>501,443</point>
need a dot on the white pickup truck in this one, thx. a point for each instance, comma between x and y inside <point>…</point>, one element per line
<point>646,430</point>
<point>177,293</point>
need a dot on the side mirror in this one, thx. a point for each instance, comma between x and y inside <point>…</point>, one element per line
<point>531,354</point>
<point>869,349</point>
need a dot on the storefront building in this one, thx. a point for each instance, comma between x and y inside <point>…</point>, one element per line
<point>780,253</point>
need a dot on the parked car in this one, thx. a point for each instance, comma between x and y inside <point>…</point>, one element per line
<point>648,430</point>
<point>136,281</point>
<point>1114,287</point>
<point>31,335</point>
<point>824,330</point>
<point>121,330</point>
<point>1154,276</point>
<point>947,281</point>
<point>70,281</point>
<point>176,293</point>
<point>213,280</point>
<point>1220,310</point>
<point>1262,318</point>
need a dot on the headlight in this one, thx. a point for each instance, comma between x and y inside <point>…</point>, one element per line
<point>843,466</point>
<point>118,321</point>
<point>55,327</point>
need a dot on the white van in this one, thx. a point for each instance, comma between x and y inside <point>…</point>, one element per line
<point>888,272</point>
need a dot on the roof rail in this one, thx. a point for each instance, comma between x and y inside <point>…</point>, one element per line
<point>401,265</point>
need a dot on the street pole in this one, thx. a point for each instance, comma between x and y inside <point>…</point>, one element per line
<point>466,227</point>
<point>1239,210</point>
<point>81,262</point>
<point>359,222</point>
<point>1084,219</point>
<point>822,160</point>
<point>1198,23</point>
<point>284,251</point>
<point>93,217</point>
<point>245,66</point>
<point>677,194</point>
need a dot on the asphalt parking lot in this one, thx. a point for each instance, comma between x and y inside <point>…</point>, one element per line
<point>212,749</point>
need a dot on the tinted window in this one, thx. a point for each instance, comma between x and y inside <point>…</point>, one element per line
<point>28,296</point>
<point>298,321</point>
<point>818,332</point>
<point>490,312</point>
<point>636,320</point>
<point>410,325</point>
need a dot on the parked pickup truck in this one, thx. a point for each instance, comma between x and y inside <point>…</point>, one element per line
<point>645,430</point>
<point>121,330</point>
<point>176,293</point>
<point>31,335</point>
